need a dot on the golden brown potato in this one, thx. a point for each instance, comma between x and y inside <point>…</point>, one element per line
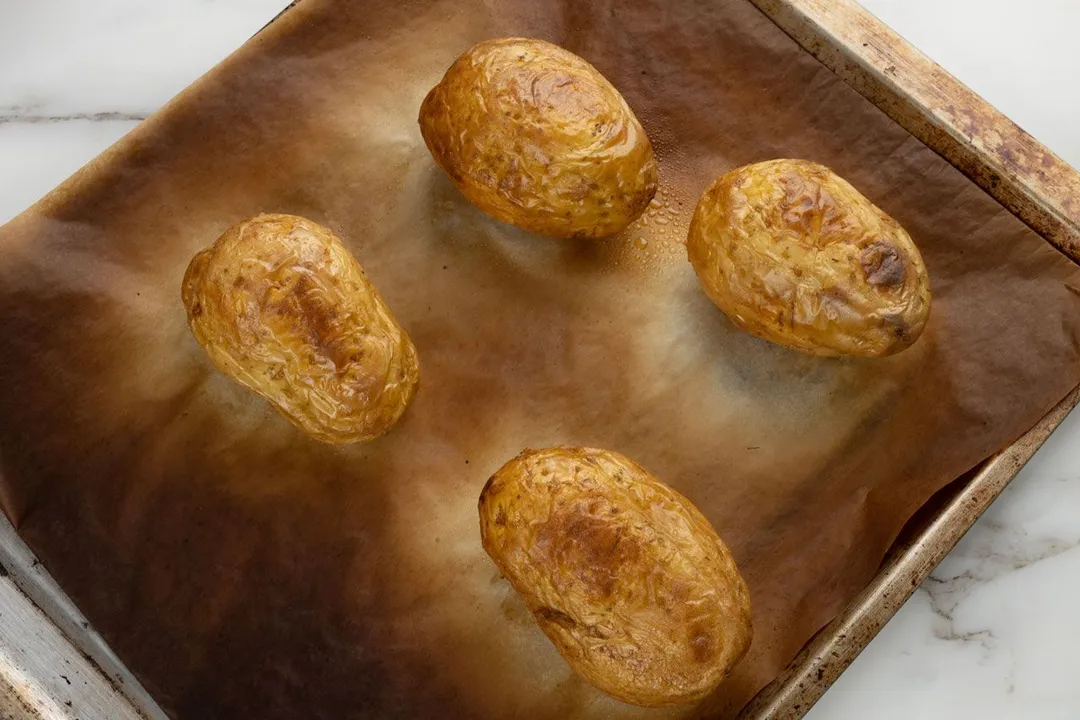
<point>284,309</point>
<point>794,254</point>
<point>534,136</point>
<point>621,572</point>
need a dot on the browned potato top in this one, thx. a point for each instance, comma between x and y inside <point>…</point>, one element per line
<point>794,254</point>
<point>282,307</point>
<point>535,136</point>
<point>622,573</point>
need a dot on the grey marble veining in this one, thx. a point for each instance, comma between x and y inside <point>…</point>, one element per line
<point>17,115</point>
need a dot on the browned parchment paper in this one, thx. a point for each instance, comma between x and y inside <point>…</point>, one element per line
<point>242,570</point>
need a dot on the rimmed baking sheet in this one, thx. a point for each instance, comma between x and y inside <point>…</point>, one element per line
<point>237,567</point>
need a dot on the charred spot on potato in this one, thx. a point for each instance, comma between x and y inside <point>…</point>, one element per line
<point>558,617</point>
<point>491,488</point>
<point>584,541</point>
<point>704,646</point>
<point>896,323</point>
<point>797,207</point>
<point>317,317</point>
<point>578,192</point>
<point>883,264</point>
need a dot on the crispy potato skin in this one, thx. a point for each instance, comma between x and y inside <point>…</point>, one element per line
<point>794,254</point>
<point>536,137</point>
<point>621,572</point>
<point>281,306</point>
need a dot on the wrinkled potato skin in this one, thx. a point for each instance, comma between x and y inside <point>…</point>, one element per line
<point>794,254</point>
<point>621,572</point>
<point>536,137</point>
<point>281,306</point>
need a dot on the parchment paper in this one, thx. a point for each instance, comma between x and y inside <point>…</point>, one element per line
<point>242,570</point>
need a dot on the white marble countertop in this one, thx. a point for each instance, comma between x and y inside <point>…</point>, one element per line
<point>991,634</point>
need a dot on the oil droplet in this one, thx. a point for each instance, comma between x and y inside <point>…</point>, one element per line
<point>641,243</point>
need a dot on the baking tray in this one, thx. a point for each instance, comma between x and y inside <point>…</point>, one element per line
<point>1006,162</point>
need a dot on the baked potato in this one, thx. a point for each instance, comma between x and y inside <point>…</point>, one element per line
<point>536,137</point>
<point>794,254</point>
<point>623,574</point>
<point>281,306</point>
